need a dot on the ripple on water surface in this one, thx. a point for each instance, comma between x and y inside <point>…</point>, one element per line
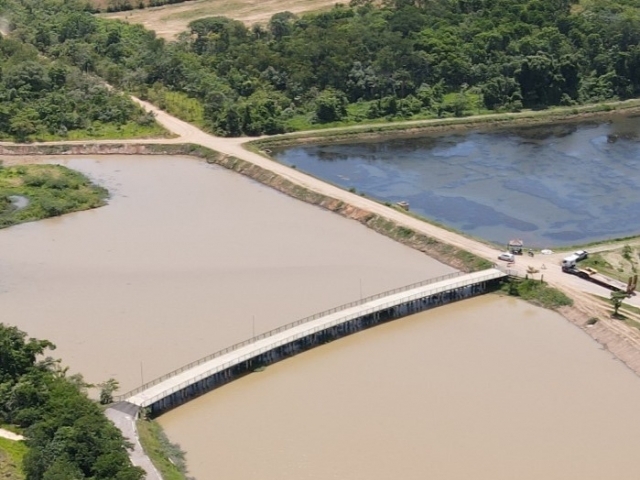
<point>552,186</point>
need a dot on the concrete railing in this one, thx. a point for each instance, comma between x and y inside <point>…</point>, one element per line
<point>275,331</point>
<point>299,335</point>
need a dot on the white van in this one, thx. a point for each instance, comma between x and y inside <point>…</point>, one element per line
<point>570,261</point>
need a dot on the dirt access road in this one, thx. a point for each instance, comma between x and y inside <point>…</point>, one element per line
<point>186,133</point>
<point>169,20</point>
<point>10,435</point>
<point>623,341</point>
<point>234,147</point>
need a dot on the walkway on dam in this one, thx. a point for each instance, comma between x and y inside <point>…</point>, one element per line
<point>161,388</point>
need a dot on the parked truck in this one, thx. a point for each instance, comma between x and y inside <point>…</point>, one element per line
<point>569,266</point>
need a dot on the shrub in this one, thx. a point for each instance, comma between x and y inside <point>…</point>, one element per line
<point>538,293</point>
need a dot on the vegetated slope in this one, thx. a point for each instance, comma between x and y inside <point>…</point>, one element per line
<point>67,434</point>
<point>174,17</point>
<point>405,59</point>
<point>41,99</point>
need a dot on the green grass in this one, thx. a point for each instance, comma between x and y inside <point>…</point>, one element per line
<point>346,130</point>
<point>178,104</point>
<point>102,131</point>
<point>52,190</point>
<point>166,456</point>
<point>537,292</point>
<point>11,454</point>
<point>595,260</point>
<point>598,262</point>
<point>357,113</point>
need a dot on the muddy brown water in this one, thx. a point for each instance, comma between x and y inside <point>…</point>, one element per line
<point>489,388</point>
<point>187,258</point>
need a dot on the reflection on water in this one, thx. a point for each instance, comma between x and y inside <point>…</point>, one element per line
<point>554,185</point>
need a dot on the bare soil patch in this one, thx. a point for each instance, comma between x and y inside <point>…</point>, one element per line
<point>613,334</point>
<point>169,20</point>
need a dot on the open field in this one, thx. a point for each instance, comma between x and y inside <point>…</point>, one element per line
<point>11,454</point>
<point>169,20</point>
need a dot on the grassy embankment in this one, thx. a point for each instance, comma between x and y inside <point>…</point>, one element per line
<point>167,457</point>
<point>480,119</point>
<point>627,314</point>
<point>446,253</point>
<point>50,190</point>
<point>536,292</point>
<point>11,454</point>
<point>101,131</point>
<point>619,263</point>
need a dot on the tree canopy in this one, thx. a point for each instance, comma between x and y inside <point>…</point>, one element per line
<point>40,98</point>
<point>68,435</point>
<point>363,61</point>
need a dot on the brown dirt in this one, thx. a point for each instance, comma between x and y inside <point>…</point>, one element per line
<point>623,267</point>
<point>169,20</point>
<point>616,337</point>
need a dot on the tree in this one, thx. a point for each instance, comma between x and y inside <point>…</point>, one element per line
<point>107,389</point>
<point>68,436</point>
<point>17,354</point>
<point>331,105</point>
<point>532,271</point>
<point>280,24</point>
<point>616,300</point>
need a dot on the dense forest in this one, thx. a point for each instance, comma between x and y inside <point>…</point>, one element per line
<point>365,61</point>
<point>67,434</point>
<point>43,99</point>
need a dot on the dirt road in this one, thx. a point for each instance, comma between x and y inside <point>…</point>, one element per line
<point>548,266</point>
<point>10,435</point>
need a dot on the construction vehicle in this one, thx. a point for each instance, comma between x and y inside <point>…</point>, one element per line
<point>593,276</point>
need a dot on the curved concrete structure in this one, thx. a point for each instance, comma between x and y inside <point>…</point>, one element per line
<point>222,367</point>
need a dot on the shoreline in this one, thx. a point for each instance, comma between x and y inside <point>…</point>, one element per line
<point>372,131</point>
<point>488,121</point>
<point>623,343</point>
